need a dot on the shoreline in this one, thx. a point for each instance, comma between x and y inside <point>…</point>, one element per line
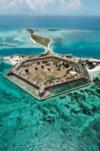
<point>93,71</point>
<point>46,48</point>
<point>2,58</point>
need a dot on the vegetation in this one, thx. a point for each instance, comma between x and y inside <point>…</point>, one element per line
<point>51,77</point>
<point>39,39</point>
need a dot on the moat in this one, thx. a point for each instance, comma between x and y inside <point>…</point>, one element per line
<point>48,75</point>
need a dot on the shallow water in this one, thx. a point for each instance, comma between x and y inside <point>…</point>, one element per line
<point>77,42</point>
<point>69,122</point>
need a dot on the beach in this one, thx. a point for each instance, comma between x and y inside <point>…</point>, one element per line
<point>44,42</point>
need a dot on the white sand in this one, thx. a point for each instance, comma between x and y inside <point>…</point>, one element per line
<point>94,72</point>
<point>46,48</point>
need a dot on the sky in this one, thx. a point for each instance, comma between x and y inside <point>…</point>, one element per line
<point>50,7</point>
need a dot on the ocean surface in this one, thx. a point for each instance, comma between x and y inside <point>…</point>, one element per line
<point>69,122</point>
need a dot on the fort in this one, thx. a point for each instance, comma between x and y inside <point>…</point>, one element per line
<point>48,75</point>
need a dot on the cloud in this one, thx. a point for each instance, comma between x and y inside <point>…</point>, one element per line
<point>13,6</point>
<point>71,4</point>
<point>38,4</point>
<point>65,5</point>
<point>41,6</point>
<point>9,4</point>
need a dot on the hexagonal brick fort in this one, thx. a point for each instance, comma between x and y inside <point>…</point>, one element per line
<point>44,75</point>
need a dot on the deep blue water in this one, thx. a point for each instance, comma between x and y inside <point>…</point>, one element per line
<point>66,22</point>
<point>70,122</point>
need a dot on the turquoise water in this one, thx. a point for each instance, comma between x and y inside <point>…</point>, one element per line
<point>69,122</point>
<point>70,41</point>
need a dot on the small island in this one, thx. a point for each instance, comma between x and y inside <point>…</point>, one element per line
<point>45,42</point>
